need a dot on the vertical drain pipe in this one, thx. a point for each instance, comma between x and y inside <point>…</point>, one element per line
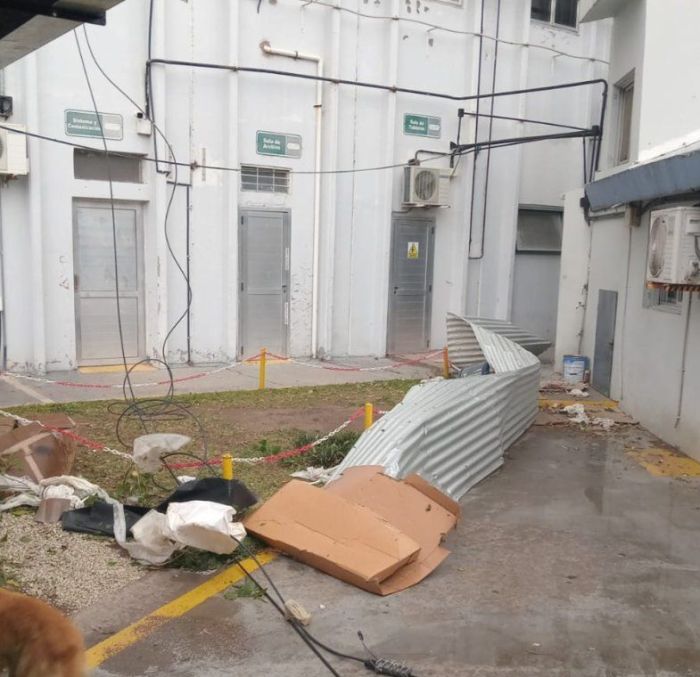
<point>679,411</point>
<point>318,60</point>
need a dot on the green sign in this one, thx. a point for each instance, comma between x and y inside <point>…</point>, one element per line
<point>421,125</point>
<point>86,123</point>
<point>273,143</point>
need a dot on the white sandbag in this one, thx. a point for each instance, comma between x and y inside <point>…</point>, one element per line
<point>205,525</point>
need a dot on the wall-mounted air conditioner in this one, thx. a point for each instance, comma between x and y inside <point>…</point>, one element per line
<point>421,186</point>
<point>672,256</point>
<point>13,151</point>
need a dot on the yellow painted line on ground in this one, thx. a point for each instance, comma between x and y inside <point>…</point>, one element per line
<point>114,368</point>
<point>665,462</point>
<point>546,402</point>
<point>99,653</point>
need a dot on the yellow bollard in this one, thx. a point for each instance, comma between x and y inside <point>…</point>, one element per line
<point>261,373</point>
<point>369,415</point>
<point>227,467</point>
<point>445,363</point>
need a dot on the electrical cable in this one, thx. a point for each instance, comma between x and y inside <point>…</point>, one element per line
<point>378,665</point>
<point>453,31</point>
<point>153,410</point>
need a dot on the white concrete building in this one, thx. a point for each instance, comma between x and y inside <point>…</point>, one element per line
<point>278,255</point>
<point>622,250</point>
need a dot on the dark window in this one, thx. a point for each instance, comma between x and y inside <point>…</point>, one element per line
<point>561,12</point>
<point>541,10</point>
<point>539,231</point>
<point>565,12</point>
<point>625,94</point>
<point>90,165</point>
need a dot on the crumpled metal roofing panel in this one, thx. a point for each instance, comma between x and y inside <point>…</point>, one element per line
<point>463,346</point>
<point>453,432</point>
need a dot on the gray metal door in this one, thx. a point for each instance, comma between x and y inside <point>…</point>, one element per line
<point>604,341</point>
<point>264,281</point>
<point>97,327</point>
<point>410,285</point>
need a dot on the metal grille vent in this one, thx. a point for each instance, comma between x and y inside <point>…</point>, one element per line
<point>425,186</point>
<point>264,179</point>
<point>657,246</point>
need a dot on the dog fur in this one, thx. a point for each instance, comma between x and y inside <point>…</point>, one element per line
<point>37,640</point>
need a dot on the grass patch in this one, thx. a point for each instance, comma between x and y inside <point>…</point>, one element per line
<point>245,589</point>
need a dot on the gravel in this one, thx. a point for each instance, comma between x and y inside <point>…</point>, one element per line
<point>71,571</point>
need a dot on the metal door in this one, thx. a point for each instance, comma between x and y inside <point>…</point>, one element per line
<point>604,341</point>
<point>264,281</point>
<point>97,326</point>
<point>410,285</point>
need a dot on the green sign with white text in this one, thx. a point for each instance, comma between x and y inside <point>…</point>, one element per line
<point>86,123</point>
<point>421,125</point>
<point>282,145</point>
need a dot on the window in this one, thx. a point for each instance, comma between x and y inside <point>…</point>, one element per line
<point>624,91</point>
<point>539,231</point>
<point>264,179</point>
<point>560,12</point>
<point>670,300</point>
<point>90,165</point>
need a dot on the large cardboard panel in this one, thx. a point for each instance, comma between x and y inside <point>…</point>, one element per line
<point>412,505</point>
<point>333,534</point>
<point>35,452</point>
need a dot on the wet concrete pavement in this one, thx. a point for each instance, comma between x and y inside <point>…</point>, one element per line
<point>571,560</point>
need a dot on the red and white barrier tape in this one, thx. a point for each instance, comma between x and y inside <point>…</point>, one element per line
<point>328,366</point>
<point>98,446</point>
<point>90,444</point>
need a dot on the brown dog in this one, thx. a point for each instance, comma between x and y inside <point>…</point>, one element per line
<point>36,640</point>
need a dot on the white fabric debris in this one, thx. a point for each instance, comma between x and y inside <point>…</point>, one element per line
<point>205,525</point>
<point>153,542</point>
<point>577,392</point>
<point>148,449</point>
<point>315,475</point>
<point>577,414</point>
<point>30,493</point>
<point>185,478</point>
<point>604,423</point>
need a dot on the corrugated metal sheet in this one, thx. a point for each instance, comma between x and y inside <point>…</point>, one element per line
<point>463,345</point>
<point>673,175</point>
<point>454,432</point>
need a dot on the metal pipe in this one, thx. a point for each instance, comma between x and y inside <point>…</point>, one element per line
<point>476,132</point>
<point>318,107</point>
<point>684,353</point>
<point>482,241</point>
<point>372,85</point>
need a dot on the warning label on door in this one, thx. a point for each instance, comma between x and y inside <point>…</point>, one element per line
<point>413,251</point>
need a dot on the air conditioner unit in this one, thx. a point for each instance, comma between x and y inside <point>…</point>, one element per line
<point>421,186</point>
<point>13,151</point>
<point>672,256</point>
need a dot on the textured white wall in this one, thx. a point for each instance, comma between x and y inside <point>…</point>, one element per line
<point>215,114</point>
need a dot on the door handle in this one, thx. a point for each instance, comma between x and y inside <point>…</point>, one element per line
<point>396,289</point>
<point>284,288</point>
<point>76,281</point>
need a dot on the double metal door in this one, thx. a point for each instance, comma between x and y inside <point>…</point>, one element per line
<point>264,281</point>
<point>410,285</point>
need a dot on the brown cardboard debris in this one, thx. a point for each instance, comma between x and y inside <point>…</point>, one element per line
<point>366,528</point>
<point>33,451</point>
<point>54,420</point>
<point>328,532</point>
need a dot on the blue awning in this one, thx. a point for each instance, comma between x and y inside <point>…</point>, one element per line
<point>673,175</point>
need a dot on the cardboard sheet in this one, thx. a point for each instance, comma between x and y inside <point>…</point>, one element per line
<point>368,529</point>
<point>323,529</point>
<point>35,452</point>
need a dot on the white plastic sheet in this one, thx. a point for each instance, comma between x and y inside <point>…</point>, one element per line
<point>148,449</point>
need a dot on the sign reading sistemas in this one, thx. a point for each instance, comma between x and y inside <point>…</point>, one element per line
<point>86,123</point>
